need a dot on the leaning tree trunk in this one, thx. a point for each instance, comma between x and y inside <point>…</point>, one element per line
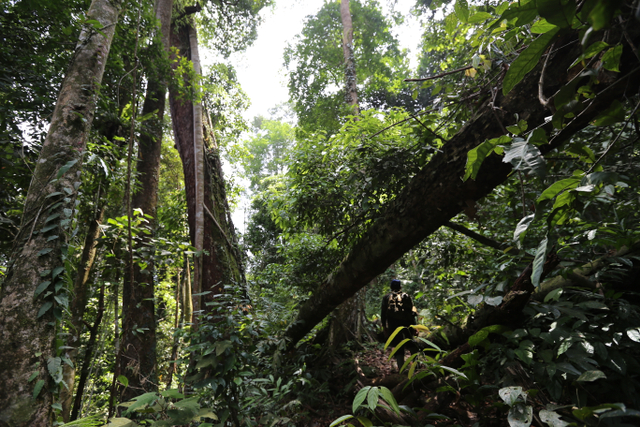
<point>138,350</point>
<point>208,213</point>
<point>27,324</point>
<point>437,193</point>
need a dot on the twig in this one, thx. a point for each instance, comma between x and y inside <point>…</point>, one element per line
<point>544,101</point>
<point>440,75</point>
<point>626,36</point>
<point>428,129</point>
<point>400,122</point>
<point>524,206</point>
<point>615,140</point>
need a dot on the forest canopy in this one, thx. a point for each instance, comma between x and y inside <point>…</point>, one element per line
<point>496,176</point>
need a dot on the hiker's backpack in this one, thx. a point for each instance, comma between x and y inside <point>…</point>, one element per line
<point>399,307</point>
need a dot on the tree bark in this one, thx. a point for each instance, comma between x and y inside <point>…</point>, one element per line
<point>78,306</point>
<point>221,260</point>
<point>26,330</point>
<point>88,355</point>
<point>437,193</point>
<point>351,88</point>
<point>138,355</point>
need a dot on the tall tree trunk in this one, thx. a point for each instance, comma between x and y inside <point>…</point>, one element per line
<point>88,355</point>
<point>208,213</point>
<point>138,355</point>
<point>437,193</point>
<point>78,305</point>
<point>351,89</point>
<point>26,330</point>
<point>346,324</point>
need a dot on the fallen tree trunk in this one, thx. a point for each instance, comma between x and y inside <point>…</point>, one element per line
<point>579,276</point>
<point>437,193</point>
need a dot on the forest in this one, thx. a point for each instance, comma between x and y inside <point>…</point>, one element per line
<point>496,176</point>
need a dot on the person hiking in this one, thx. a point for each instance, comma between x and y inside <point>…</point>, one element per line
<point>398,310</point>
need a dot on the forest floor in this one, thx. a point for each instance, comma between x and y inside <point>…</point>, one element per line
<point>374,364</point>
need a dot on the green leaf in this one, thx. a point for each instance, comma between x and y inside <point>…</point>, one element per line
<point>523,12</point>
<point>527,60</point>
<point>44,251</point>
<point>542,26</point>
<point>611,58</point>
<point>41,287</point>
<point>221,346</point>
<point>538,262</point>
<point>591,376</point>
<point>63,300</point>
<point>522,227</point>
<point>634,334</point>
<point>554,295</point>
<point>526,157</point>
<point>557,12</point>
<point>146,399</point>
<point>453,371</point>
<point>66,167</point>
<point>520,415</point>
<point>591,51</point>
<point>121,422</point>
<point>48,228</point>
<point>56,271</point>
<point>450,23</point>
<point>372,398</point>
<point>366,422</point>
<point>45,307</point>
<point>172,393</point>
<point>476,156</point>
<point>510,395</point>
<point>483,333</point>
<point>360,397</point>
<point>55,193</point>
<point>340,420</point>
<point>387,396</point>
<point>552,418</point>
<point>38,388</point>
<point>602,13</point>
<point>558,187</point>
<point>462,10</point>
<point>479,17</point>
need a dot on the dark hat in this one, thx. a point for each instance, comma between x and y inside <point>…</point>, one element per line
<point>396,284</point>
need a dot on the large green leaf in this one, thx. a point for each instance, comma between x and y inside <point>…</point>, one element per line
<point>525,157</point>
<point>522,227</point>
<point>527,60</point>
<point>521,12</point>
<point>538,262</point>
<point>360,397</point>
<point>558,187</point>
<point>372,398</point>
<point>602,13</point>
<point>557,12</point>
<point>340,420</point>
<point>476,156</point>
<point>462,10</point>
<point>387,396</point>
